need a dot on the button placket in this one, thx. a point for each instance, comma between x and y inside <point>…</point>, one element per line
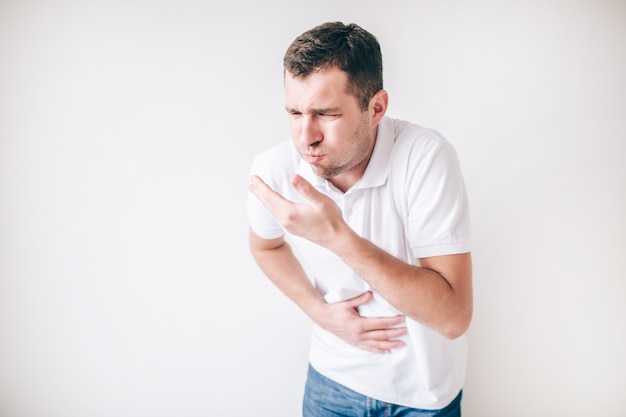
<point>347,203</point>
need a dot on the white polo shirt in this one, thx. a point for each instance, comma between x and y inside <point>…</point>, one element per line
<point>411,202</point>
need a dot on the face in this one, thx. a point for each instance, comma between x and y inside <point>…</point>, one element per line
<point>328,128</point>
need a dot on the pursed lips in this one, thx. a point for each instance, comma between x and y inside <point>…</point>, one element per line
<point>313,157</point>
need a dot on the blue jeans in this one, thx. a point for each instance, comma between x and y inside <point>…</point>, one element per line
<point>325,398</point>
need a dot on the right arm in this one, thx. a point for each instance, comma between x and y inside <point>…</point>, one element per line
<point>277,261</point>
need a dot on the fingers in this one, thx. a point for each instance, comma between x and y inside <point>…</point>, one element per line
<point>264,192</point>
<point>273,201</point>
<point>379,336</point>
<point>383,341</point>
<point>377,323</point>
<point>256,184</point>
<point>301,185</point>
<point>373,323</point>
<point>386,334</point>
<point>307,190</point>
<point>261,190</point>
<point>381,346</point>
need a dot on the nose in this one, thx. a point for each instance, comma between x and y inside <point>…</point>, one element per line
<point>310,132</point>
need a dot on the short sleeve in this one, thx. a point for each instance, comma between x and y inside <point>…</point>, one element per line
<point>437,204</point>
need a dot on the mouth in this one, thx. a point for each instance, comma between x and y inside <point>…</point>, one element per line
<point>311,158</point>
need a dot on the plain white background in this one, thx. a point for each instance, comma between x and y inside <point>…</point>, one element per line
<point>126,133</point>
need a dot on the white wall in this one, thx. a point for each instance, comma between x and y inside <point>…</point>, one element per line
<point>126,131</point>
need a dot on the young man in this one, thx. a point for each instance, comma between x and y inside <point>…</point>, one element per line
<point>362,221</point>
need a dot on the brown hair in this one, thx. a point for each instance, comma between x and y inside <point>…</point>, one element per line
<point>349,48</point>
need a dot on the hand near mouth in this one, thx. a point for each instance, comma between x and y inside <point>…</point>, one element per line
<point>318,220</point>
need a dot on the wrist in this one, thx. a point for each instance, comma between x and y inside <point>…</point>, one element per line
<point>316,309</point>
<point>345,243</point>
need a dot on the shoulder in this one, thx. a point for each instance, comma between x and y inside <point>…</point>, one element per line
<point>415,143</point>
<point>406,132</point>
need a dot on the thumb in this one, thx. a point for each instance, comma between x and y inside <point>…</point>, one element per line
<point>360,299</point>
<point>305,188</point>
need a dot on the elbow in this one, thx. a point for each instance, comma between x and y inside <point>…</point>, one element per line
<point>457,327</point>
<point>454,332</point>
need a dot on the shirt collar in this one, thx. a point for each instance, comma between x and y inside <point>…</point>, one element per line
<point>377,169</point>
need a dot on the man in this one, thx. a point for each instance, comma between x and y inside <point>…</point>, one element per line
<point>362,221</point>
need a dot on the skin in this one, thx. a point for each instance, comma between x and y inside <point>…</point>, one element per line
<point>337,139</point>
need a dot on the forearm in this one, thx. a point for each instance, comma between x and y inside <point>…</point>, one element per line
<point>284,270</point>
<point>437,294</point>
<point>277,261</point>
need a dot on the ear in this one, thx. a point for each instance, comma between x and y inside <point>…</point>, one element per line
<point>378,106</point>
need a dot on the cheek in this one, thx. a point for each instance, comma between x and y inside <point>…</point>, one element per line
<point>294,128</point>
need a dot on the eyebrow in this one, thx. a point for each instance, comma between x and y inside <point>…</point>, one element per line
<point>323,110</point>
